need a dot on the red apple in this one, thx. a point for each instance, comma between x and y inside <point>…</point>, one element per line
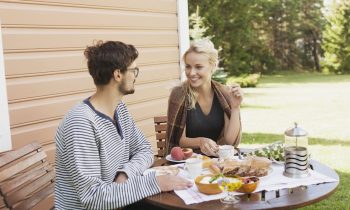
<point>187,152</point>
<point>177,154</point>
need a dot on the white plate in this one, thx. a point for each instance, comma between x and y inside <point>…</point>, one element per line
<point>277,162</point>
<point>147,171</point>
<point>169,158</point>
<point>163,170</point>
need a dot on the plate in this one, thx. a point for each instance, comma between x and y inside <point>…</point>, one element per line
<point>163,170</point>
<point>277,162</point>
<point>169,158</point>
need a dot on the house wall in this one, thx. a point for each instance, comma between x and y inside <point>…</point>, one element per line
<point>46,71</point>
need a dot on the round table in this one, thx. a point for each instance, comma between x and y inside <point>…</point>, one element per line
<point>279,199</point>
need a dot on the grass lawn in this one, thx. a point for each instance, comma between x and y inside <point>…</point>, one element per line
<point>320,104</point>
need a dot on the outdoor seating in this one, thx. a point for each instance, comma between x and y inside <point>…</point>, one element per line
<point>26,178</point>
<point>293,196</point>
<point>160,126</point>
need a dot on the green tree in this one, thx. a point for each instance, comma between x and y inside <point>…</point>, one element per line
<point>263,36</point>
<point>233,27</point>
<point>198,27</point>
<point>311,28</point>
<point>336,39</point>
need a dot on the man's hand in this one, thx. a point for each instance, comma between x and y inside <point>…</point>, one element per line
<point>170,183</point>
<point>121,177</point>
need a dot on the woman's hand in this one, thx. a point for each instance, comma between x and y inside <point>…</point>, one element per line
<point>208,146</point>
<point>237,95</point>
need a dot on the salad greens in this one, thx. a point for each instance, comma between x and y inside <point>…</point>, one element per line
<point>215,177</point>
<point>273,151</point>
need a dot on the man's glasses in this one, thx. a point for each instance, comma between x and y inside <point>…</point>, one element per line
<point>135,70</point>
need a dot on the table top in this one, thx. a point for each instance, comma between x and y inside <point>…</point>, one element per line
<point>279,199</point>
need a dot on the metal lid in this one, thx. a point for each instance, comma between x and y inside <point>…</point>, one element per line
<point>295,131</point>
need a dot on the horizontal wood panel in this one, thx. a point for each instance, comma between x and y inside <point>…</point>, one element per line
<point>150,91</point>
<point>23,89</point>
<point>64,39</point>
<point>27,88</point>
<point>60,16</point>
<point>46,70</point>
<point>36,111</point>
<point>26,113</point>
<point>42,133</point>
<point>148,109</point>
<point>168,6</point>
<point>41,63</point>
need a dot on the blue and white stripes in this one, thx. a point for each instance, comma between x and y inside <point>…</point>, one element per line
<point>89,153</point>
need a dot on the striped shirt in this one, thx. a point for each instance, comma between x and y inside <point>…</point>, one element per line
<point>91,150</point>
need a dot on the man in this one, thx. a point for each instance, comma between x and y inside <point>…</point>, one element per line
<point>100,153</point>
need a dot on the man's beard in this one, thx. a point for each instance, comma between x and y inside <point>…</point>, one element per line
<point>124,90</point>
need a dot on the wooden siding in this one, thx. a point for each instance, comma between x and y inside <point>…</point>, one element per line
<point>46,71</point>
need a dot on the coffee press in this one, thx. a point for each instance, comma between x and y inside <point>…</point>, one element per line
<point>295,153</point>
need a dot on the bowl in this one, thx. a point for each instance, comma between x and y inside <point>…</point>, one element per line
<point>210,188</point>
<point>249,184</point>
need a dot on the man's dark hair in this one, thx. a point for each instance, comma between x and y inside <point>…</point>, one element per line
<point>105,57</point>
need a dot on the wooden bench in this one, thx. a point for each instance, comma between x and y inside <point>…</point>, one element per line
<point>160,126</point>
<point>26,178</point>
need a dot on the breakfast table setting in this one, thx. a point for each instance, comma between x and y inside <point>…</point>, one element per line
<point>277,176</point>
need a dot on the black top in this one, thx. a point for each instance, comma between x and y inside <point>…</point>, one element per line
<point>200,125</point>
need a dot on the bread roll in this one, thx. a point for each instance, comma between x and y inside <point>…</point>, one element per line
<point>232,163</point>
<point>214,169</point>
<point>260,162</point>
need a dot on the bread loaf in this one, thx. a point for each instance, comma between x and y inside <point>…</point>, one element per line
<point>250,166</point>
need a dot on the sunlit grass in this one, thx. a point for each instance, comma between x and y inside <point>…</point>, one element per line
<point>320,104</point>
<point>340,199</point>
<point>306,77</point>
<point>323,109</point>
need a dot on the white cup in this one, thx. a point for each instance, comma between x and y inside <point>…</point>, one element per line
<point>193,166</point>
<point>226,152</point>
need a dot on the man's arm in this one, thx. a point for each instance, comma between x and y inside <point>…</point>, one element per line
<point>141,154</point>
<point>82,160</point>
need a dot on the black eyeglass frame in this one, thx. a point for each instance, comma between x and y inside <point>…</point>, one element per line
<point>136,71</point>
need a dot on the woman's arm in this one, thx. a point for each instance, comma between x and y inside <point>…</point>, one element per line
<point>232,128</point>
<point>206,145</point>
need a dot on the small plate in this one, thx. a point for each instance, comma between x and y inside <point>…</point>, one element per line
<point>277,162</point>
<point>163,170</point>
<point>169,158</point>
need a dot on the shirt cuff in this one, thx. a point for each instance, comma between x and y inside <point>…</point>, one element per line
<point>153,181</point>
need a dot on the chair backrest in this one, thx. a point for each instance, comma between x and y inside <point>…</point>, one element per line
<point>160,126</point>
<point>26,178</point>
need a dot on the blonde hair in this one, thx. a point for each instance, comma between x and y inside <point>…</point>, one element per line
<point>205,47</point>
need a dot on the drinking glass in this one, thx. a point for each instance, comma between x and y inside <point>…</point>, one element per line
<point>229,185</point>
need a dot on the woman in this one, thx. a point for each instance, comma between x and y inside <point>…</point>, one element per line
<point>203,113</point>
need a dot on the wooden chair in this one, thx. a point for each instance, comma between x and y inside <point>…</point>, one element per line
<point>160,126</point>
<point>26,178</point>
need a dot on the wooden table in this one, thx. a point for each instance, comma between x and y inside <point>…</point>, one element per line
<point>279,199</point>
